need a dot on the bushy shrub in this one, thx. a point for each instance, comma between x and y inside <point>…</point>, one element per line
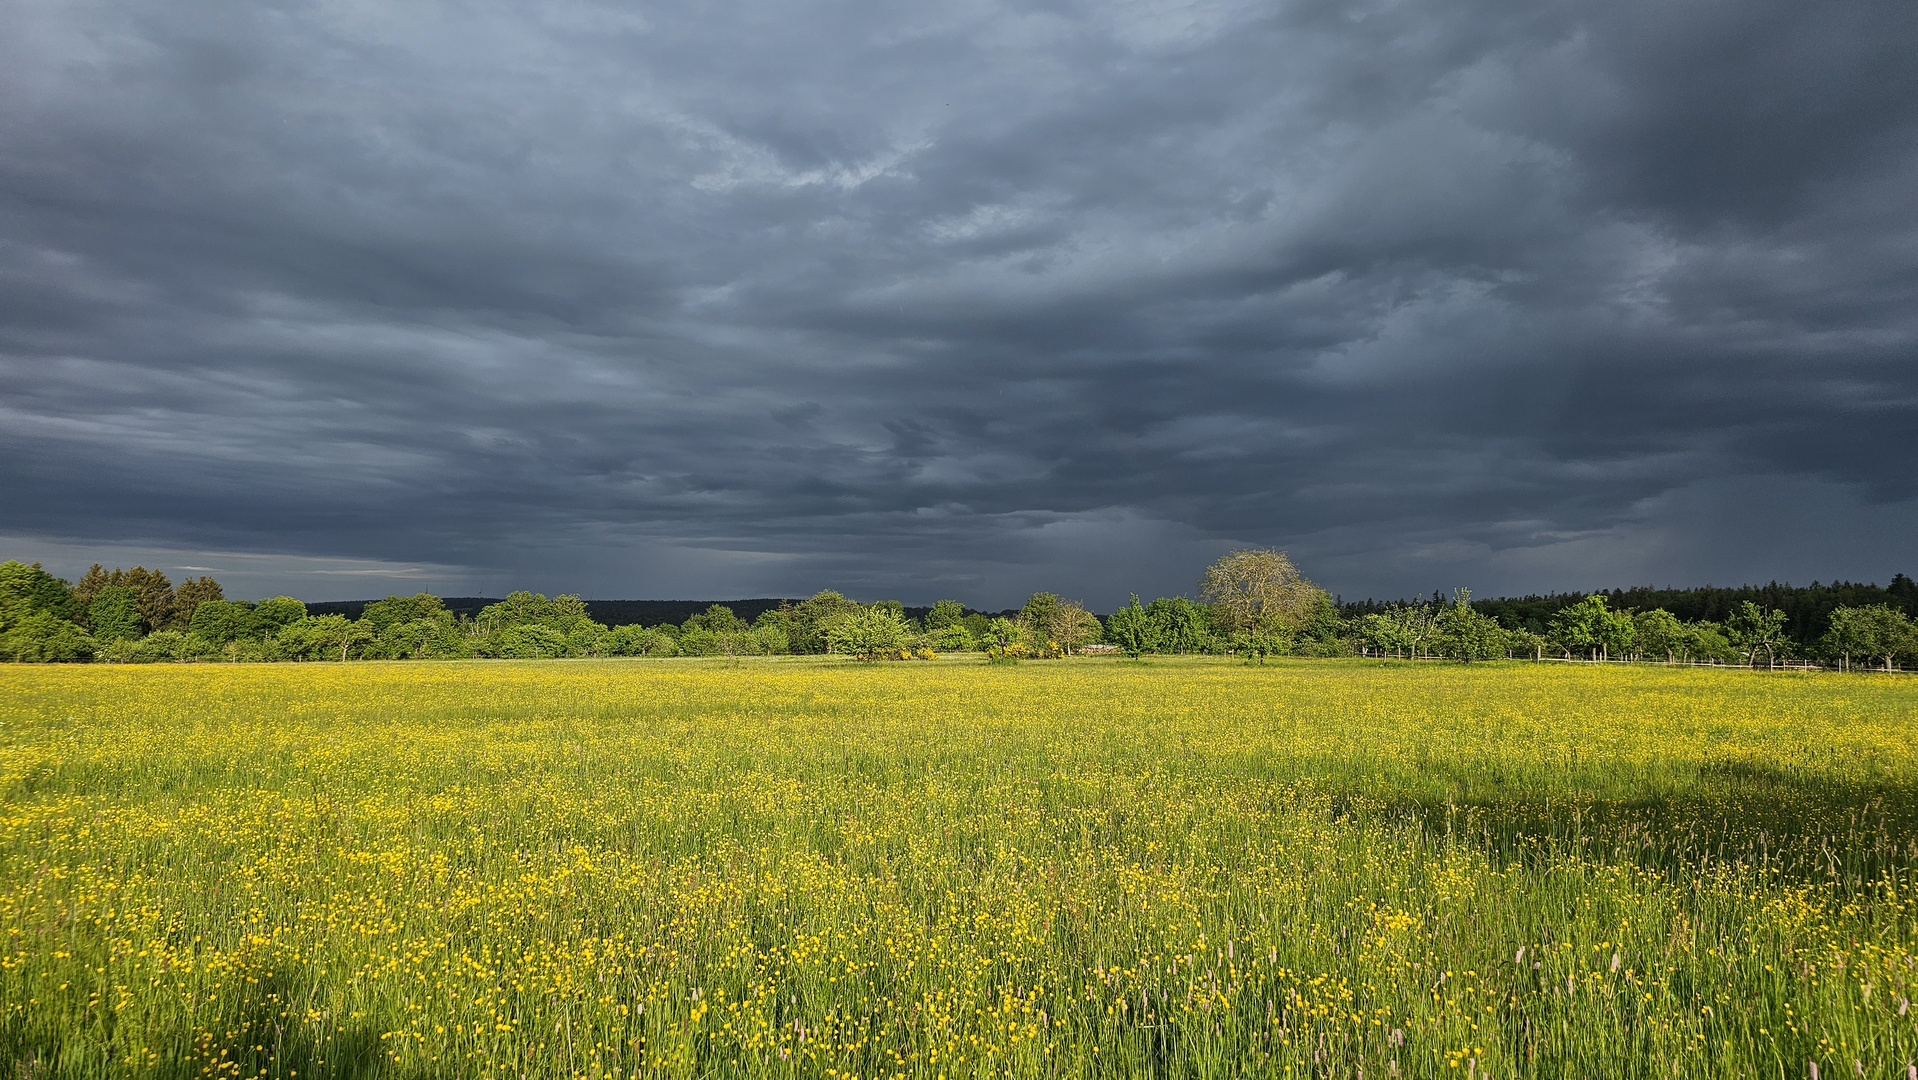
<point>526,642</point>
<point>249,650</point>
<point>873,633</point>
<point>118,651</point>
<point>1325,647</point>
<point>698,641</point>
<point>952,637</point>
<point>1705,641</point>
<point>1006,639</point>
<point>320,637</point>
<point>1256,645</point>
<point>586,638</point>
<point>220,621</point>
<point>37,613</point>
<point>161,647</point>
<point>628,640</point>
<point>272,616</point>
<point>772,639</point>
<point>425,639</point>
<point>654,641</point>
<point>164,645</point>
<point>1003,637</point>
<point>46,637</point>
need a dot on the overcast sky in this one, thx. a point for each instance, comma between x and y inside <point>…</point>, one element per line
<point>749,297</point>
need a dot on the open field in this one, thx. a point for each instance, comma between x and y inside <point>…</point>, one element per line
<point>807,868</point>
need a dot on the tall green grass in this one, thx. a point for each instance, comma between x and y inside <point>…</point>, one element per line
<point>800,868</point>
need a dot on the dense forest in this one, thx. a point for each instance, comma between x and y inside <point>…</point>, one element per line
<point>1252,604</point>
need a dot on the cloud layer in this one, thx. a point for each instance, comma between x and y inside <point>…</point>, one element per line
<point>965,298</point>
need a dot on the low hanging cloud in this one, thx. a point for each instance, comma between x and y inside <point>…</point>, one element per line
<point>963,299</point>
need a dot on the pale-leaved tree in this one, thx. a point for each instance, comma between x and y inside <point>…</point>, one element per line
<point>1257,590</point>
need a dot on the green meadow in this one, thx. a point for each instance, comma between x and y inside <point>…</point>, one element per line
<point>1090,867</point>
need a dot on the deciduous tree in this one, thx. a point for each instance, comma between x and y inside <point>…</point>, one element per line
<point>1593,627</point>
<point>279,612</point>
<point>1177,625</point>
<point>114,613</point>
<point>806,620</point>
<point>1053,624</point>
<point>1466,634</point>
<point>26,590</point>
<point>945,613</point>
<point>188,597</point>
<point>719,619</point>
<point>1879,631</point>
<point>1129,629</point>
<point>90,584</point>
<point>1752,628</point>
<point>1257,589</point>
<point>1658,633</point>
<point>1846,636</point>
<point>220,621</point>
<point>394,610</point>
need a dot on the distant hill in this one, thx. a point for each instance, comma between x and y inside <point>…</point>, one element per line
<point>611,612</point>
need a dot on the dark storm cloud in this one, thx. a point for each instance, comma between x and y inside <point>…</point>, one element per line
<point>964,298</point>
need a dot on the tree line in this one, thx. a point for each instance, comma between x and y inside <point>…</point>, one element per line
<point>1251,604</point>
<point>1807,608</point>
